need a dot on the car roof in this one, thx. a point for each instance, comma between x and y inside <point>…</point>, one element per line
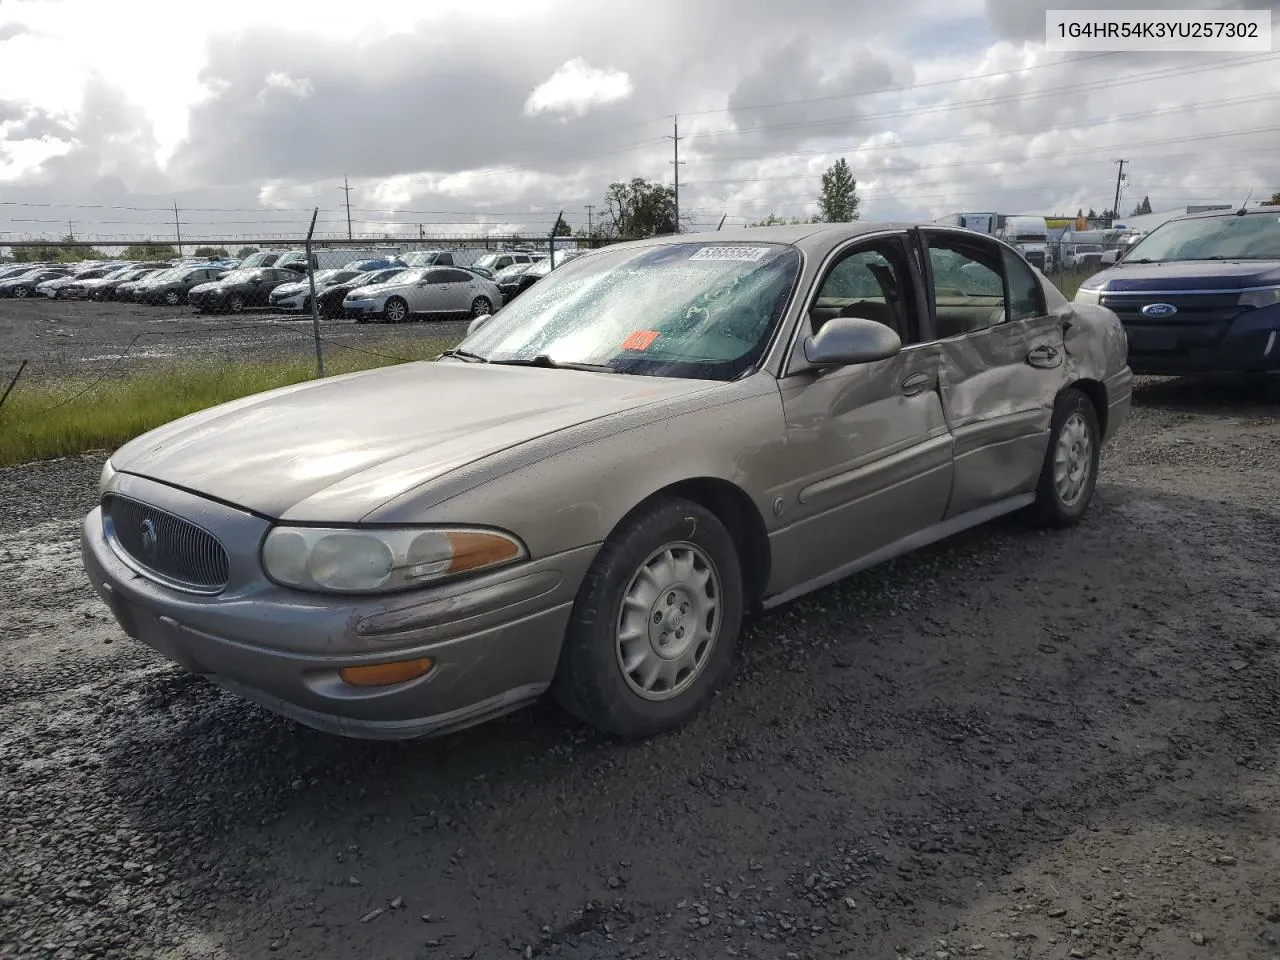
<point>809,237</point>
<point>1267,210</point>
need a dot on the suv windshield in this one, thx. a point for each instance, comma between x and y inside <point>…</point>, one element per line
<point>693,310</point>
<point>1233,237</point>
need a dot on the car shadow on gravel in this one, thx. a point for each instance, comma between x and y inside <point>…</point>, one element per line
<point>892,757</point>
<point>1208,395</point>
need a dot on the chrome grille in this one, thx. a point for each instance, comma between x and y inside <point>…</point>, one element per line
<point>173,550</point>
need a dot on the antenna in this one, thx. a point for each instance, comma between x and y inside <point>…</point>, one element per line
<point>1242,210</point>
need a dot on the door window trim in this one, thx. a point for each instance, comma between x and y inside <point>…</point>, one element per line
<point>794,363</point>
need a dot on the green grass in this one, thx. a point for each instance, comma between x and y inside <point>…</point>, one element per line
<point>42,420</point>
<point>1069,283</point>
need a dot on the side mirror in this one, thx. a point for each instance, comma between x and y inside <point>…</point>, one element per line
<point>1109,257</point>
<point>844,341</point>
<point>478,322</point>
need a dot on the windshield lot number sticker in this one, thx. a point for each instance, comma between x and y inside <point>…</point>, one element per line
<point>747,254</point>
<point>640,340</point>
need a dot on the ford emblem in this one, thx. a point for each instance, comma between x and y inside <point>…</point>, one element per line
<point>1159,310</point>
<point>150,541</point>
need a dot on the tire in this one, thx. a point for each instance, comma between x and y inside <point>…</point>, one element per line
<point>20,292</point>
<point>235,303</point>
<point>481,306</point>
<point>395,310</point>
<point>1070,472</point>
<point>592,681</point>
<point>171,298</point>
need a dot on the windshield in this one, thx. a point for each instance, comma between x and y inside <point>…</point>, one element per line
<point>1029,238</point>
<point>409,276</point>
<point>1255,237</point>
<point>700,311</point>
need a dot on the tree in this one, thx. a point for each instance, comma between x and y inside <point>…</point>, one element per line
<point>1080,213</point>
<point>246,252</point>
<point>839,200</point>
<point>219,252</point>
<point>773,220</point>
<point>639,208</point>
<point>563,229</point>
<point>1142,208</point>
<point>148,251</point>
<point>1092,215</point>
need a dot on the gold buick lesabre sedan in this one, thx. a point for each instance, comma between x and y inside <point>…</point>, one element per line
<point>587,495</point>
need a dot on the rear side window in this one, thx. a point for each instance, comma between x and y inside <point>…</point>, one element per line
<point>457,276</point>
<point>1026,298</point>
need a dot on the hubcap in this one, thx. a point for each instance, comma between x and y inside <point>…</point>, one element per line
<point>1072,460</point>
<point>669,621</point>
<point>395,311</point>
<point>479,307</point>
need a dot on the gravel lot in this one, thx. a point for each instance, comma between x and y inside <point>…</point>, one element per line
<point>1013,744</point>
<point>60,337</point>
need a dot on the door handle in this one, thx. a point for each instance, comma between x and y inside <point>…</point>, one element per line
<point>916,384</point>
<point>1044,357</point>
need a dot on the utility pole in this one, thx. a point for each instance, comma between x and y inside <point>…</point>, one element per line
<point>590,235</point>
<point>177,226</point>
<point>1115,207</point>
<point>721,223</point>
<point>346,188</point>
<point>70,232</point>
<point>675,163</point>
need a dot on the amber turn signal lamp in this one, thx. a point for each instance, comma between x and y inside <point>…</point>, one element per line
<point>385,674</point>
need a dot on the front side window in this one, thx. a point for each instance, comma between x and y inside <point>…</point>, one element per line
<point>871,283</point>
<point>692,310</point>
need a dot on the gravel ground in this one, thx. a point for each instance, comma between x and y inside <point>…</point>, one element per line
<point>60,337</point>
<point>1013,744</point>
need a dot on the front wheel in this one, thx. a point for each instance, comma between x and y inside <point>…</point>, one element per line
<point>171,298</point>
<point>655,622</point>
<point>20,292</point>
<point>395,310</point>
<point>1070,471</point>
<point>236,303</point>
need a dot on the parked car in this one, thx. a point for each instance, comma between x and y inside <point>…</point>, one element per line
<point>24,284</point>
<point>500,261</point>
<point>240,290</point>
<point>378,263</point>
<point>508,280</point>
<point>331,259</point>
<point>1199,294</point>
<point>125,290</point>
<point>480,271</point>
<point>588,493</point>
<point>138,292</point>
<point>442,258</point>
<point>53,288</point>
<point>104,288</point>
<point>178,284</point>
<point>331,297</point>
<point>81,287</point>
<point>16,270</point>
<point>263,258</point>
<point>424,290</point>
<point>295,297</point>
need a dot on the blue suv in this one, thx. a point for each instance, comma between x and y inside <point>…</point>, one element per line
<point>1199,294</point>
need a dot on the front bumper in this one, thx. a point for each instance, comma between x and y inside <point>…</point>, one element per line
<point>294,303</point>
<point>495,639</point>
<point>363,308</point>
<point>1167,351</point>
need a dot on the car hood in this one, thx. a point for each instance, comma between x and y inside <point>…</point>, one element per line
<point>207,286</point>
<point>334,450</point>
<point>289,289</point>
<point>378,289</point>
<point>1188,275</point>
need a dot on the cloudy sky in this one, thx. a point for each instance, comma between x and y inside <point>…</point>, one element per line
<point>491,117</point>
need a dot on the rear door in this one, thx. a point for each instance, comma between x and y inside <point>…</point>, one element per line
<point>868,443</point>
<point>1002,363</point>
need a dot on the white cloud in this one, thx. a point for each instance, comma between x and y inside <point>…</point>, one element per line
<point>301,88</point>
<point>576,87</point>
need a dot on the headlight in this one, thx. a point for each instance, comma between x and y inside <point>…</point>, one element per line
<point>104,478</point>
<point>1088,295</point>
<point>336,560</point>
<point>1261,297</point>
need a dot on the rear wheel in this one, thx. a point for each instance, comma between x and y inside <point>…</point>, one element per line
<point>236,303</point>
<point>655,622</point>
<point>1070,471</point>
<point>481,307</point>
<point>20,292</point>
<point>395,310</point>
<point>171,298</point>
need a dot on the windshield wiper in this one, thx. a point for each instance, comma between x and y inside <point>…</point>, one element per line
<point>543,360</point>
<point>466,355</point>
<point>1142,260</point>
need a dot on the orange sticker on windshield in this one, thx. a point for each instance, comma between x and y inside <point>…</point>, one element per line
<point>640,340</point>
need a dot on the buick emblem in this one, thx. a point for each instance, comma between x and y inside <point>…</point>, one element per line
<point>150,541</point>
<point>1159,310</point>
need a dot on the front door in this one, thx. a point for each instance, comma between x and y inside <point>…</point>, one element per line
<point>869,445</point>
<point>1003,364</point>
